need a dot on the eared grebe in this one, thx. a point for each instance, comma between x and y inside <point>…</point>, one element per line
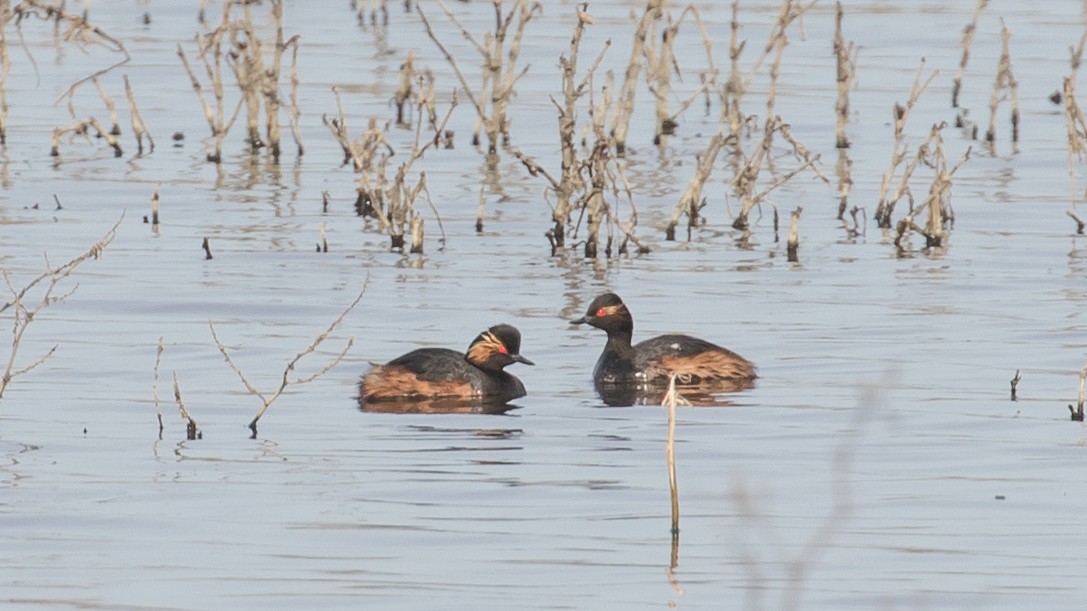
<point>441,373</point>
<point>695,362</point>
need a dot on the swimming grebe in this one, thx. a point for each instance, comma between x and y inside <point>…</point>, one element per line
<point>651,362</point>
<point>441,373</point>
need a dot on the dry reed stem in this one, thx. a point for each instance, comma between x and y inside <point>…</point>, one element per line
<point>155,385</point>
<point>624,105</point>
<point>268,398</point>
<point>192,431</point>
<point>5,70</point>
<point>844,170</point>
<point>24,314</point>
<point>899,150</point>
<point>1004,80</point>
<point>139,127</point>
<point>967,37</point>
<point>733,89</point>
<point>846,59</point>
<point>111,107</point>
<point>1014,382</point>
<point>295,114</point>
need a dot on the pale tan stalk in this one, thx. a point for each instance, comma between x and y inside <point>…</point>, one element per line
<point>967,37</point>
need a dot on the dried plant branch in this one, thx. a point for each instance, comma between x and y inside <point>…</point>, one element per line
<point>139,127</point>
<point>24,311</point>
<point>268,398</point>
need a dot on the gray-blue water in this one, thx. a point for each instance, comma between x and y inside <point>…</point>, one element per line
<point>879,462</point>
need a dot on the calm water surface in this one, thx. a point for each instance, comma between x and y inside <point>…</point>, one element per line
<point>879,463</point>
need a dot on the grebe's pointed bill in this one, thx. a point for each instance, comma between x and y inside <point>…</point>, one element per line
<point>581,321</point>
<point>517,358</point>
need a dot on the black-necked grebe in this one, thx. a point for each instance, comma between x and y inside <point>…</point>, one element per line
<point>441,373</point>
<point>651,362</point>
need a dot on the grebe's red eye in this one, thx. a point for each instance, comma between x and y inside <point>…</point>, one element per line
<point>503,349</point>
<point>601,313</point>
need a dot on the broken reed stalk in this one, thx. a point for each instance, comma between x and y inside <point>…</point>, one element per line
<point>269,83</point>
<point>154,208</point>
<point>1015,385</point>
<point>155,385</point>
<point>500,74</point>
<point>967,38</point>
<point>1077,413</point>
<point>83,128</point>
<point>898,152</point>
<point>139,127</point>
<point>246,60</point>
<point>24,313</point>
<point>322,246</point>
<point>691,202</point>
<point>403,93</point>
<point>846,59</point>
<point>624,104</point>
<point>1004,80</point>
<point>744,182</point>
<point>792,243</point>
<point>192,431</point>
<point>268,398</point>
<point>115,126</point>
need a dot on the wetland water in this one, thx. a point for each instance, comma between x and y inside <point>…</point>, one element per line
<point>878,463</point>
